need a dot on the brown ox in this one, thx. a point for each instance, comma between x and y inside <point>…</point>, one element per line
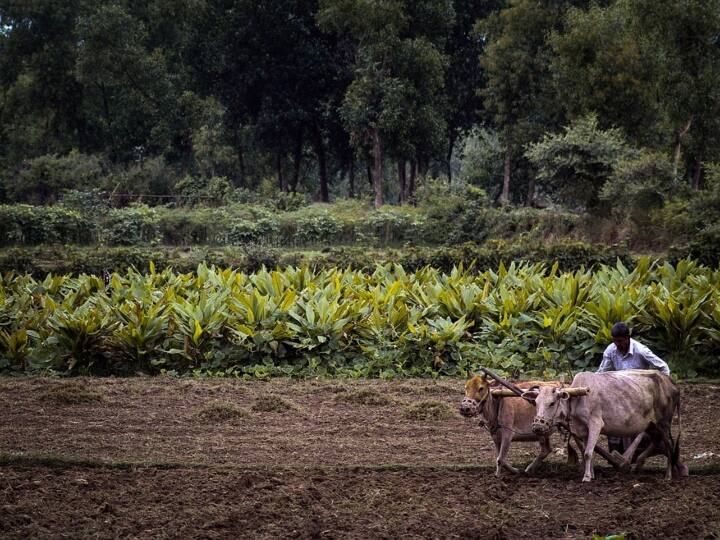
<point>507,419</point>
<point>631,403</point>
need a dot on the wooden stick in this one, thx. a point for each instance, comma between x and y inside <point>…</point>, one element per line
<point>575,391</point>
<point>515,390</point>
<point>503,392</point>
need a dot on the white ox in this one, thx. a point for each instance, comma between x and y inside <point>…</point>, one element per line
<point>631,403</point>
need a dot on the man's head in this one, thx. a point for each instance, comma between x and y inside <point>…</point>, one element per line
<point>621,337</point>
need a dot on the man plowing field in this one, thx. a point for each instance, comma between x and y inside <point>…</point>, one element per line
<point>626,353</point>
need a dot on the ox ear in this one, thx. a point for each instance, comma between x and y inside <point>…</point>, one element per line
<point>531,394</point>
<point>562,394</point>
<point>471,375</point>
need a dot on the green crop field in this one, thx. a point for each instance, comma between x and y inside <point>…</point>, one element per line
<point>524,320</point>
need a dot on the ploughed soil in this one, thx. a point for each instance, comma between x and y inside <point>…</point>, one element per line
<point>169,458</point>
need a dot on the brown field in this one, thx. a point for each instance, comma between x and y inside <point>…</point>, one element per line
<point>168,458</point>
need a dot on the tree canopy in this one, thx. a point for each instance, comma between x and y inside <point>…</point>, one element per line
<point>311,95</point>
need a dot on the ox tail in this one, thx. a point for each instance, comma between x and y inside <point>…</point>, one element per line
<point>676,446</point>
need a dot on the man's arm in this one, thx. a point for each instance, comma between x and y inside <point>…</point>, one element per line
<point>651,358</point>
<point>606,364</point>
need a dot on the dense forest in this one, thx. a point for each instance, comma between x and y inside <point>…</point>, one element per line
<point>567,102</point>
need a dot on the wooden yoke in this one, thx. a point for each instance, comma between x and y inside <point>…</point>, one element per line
<point>575,391</point>
<point>510,386</point>
<point>572,392</point>
<point>503,392</point>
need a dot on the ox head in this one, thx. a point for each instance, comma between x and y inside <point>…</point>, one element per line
<point>551,408</point>
<point>477,390</point>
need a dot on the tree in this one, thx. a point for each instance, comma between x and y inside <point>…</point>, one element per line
<point>392,104</point>
<point>518,91</point>
<point>575,165</point>
<point>40,99</point>
<point>652,68</point>
<point>464,107</point>
<point>685,33</point>
<point>601,65</point>
<point>275,72</point>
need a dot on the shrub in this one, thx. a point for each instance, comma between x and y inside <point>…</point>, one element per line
<point>29,225</point>
<point>638,185</point>
<point>705,248</point>
<point>315,228</point>
<point>44,178</point>
<point>134,225</point>
<point>220,411</point>
<point>576,164</point>
<point>428,410</point>
<point>260,231</point>
<point>71,393</point>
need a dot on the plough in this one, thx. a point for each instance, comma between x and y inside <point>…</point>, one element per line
<point>511,390</point>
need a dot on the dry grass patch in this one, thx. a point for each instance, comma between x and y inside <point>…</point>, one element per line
<point>431,388</point>
<point>270,403</point>
<point>430,409</point>
<point>71,393</point>
<point>366,396</point>
<point>220,411</point>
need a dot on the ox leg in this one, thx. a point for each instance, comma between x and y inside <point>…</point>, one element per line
<point>545,450</point>
<point>581,445</point>
<point>572,457</point>
<point>651,450</point>
<point>505,438</point>
<point>594,429</point>
<point>668,443</point>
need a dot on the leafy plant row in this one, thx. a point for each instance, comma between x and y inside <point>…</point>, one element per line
<point>524,319</point>
<point>458,218</point>
<point>42,260</point>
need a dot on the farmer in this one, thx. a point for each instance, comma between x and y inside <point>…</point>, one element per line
<point>626,353</point>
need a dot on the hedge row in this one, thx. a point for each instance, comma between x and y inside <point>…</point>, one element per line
<point>41,260</point>
<point>345,223</point>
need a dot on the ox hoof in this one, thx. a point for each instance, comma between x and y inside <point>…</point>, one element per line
<point>586,479</point>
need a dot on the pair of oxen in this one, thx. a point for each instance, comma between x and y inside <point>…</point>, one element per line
<point>634,404</point>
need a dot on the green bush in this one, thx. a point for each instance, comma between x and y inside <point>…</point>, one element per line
<point>320,227</point>
<point>29,225</point>
<point>705,248</point>
<point>261,231</point>
<point>638,185</point>
<point>135,225</point>
<point>44,178</point>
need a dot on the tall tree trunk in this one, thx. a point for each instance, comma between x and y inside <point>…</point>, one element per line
<point>237,144</point>
<point>678,147</point>
<point>322,165</point>
<point>377,168</point>
<point>411,182</point>
<point>297,160</point>
<point>280,177</point>
<point>697,173</point>
<point>241,163</point>
<point>531,192</point>
<point>402,179</point>
<point>351,177</point>
<point>505,197</point>
<point>451,146</point>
